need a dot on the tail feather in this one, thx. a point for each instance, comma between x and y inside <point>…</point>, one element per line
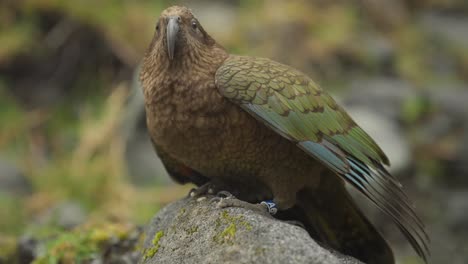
<point>331,216</point>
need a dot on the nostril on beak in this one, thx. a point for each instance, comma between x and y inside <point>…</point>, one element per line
<point>176,18</point>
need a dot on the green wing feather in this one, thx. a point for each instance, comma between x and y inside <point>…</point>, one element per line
<point>294,106</point>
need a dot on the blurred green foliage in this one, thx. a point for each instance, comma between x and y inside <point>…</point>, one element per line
<point>83,244</point>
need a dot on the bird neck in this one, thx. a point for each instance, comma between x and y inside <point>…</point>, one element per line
<point>188,64</point>
<point>172,88</point>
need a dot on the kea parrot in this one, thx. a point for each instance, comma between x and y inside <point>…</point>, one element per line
<point>262,130</point>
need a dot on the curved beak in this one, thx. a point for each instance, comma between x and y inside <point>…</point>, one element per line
<point>172,31</point>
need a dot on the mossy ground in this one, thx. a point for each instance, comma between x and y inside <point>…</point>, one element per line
<point>87,243</point>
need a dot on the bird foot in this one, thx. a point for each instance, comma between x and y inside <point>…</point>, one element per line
<point>225,195</point>
<point>207,188</point>
<point>222,195</point>
<point>231,201</point>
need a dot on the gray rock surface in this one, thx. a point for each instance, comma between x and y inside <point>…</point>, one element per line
<point>67,214</point>
<point>196,231</point>
<point>382,95</point>
<point>12,180</point>
<point>448,26</point>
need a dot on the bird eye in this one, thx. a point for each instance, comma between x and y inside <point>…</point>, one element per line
<point>157,27</point>
<point>194,24</point>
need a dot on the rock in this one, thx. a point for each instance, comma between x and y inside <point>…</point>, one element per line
<point>448,26</point>
<point>444,211</point>
<point>459,168</point>
<point>450,121</point>
<point>456,209</point>
<point>12,180</point>
<point>382,95</point>
<point>196,231</point>
<point>448,30</point>
<point>124,250</point>
<point>451,100</point>
<point>439,125</point>
<point>94,244</point>
<point>379,50</point>
<point>66,215</point>
<point>27,249</point>
<point>386,15</point>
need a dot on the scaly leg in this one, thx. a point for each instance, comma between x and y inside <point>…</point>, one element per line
<point>225,199</point>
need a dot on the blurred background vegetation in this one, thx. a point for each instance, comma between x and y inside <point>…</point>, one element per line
<point>77,169</point>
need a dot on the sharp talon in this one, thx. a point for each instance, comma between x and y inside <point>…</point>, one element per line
<point>223,203</point>
<point>201,198</point>
<point>206,188</point>
<point>215,200</point>
<point>234,202</point>
<point>225,194</point>
<point>192,192</point>
<point>270,206</point>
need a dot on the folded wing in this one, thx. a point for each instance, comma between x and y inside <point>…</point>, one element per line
<point>291,104</point>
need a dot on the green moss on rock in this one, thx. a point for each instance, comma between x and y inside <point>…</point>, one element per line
<point>150,252</point>
<point>82,244</point>
<point>192,230</point>
<point>232,223</point>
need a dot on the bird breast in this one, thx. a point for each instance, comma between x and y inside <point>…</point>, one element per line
<point>190,120</point>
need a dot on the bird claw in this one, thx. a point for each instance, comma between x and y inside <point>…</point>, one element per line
<point>207,188</point>
<point>221,195</point>
<point>263,208</point>
<point>225,194</point>
<point>225,199</point>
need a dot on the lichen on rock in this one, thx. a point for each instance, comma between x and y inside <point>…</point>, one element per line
<point>150,252</point>
<point>197,231</point>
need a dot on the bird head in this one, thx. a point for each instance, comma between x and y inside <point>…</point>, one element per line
<point>178,33</point>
